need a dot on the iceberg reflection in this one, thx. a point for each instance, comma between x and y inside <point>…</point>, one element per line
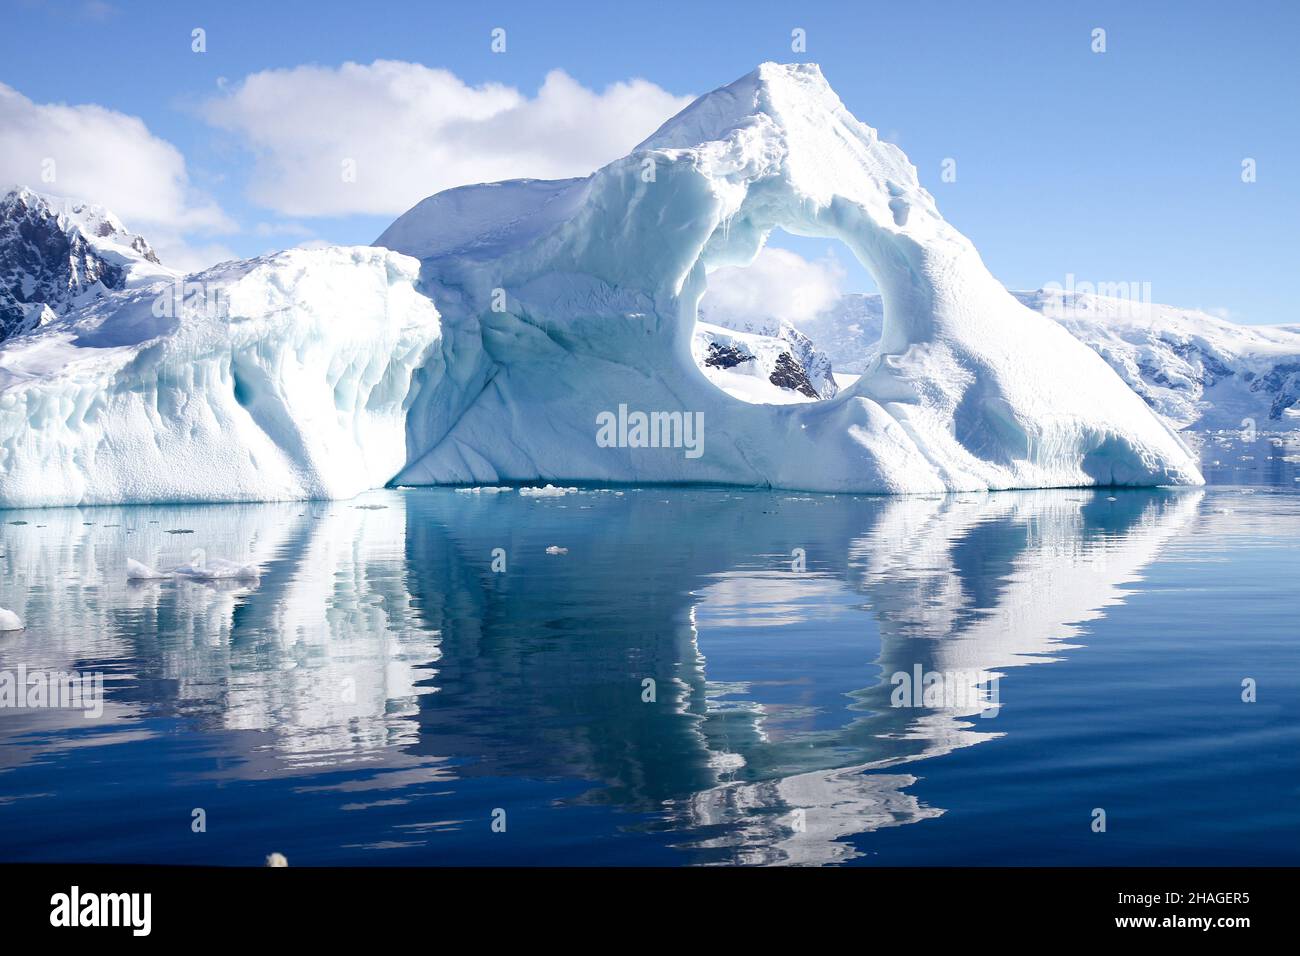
<point>678,660</point>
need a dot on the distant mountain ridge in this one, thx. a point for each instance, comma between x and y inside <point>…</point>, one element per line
<point>1197,370</point>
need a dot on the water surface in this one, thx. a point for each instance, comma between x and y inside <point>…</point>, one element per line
<point>703,676</point>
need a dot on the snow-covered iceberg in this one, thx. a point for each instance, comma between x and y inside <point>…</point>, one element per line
<point>566,302</point>
<point>275,378</point>
<point>545,335</point>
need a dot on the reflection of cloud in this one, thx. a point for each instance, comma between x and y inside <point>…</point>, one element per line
<point>767,598</point>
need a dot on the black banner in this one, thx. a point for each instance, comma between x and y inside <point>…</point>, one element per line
<point>124,903</point>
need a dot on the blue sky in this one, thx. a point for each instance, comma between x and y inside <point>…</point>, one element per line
<point>1115,166</point>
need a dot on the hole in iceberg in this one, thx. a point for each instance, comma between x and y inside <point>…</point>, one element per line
<point>798,324</point>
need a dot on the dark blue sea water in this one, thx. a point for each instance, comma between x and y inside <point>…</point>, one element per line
<point>702,677</point>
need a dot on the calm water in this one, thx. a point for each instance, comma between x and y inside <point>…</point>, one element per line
<point>673,689</point>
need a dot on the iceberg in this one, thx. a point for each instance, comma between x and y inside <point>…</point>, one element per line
<point>493,328</point>
<point>283,377</point>
<point>564,301</point>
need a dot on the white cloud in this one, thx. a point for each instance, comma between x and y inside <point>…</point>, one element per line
<point>409,131</point>
<point>177,252</point>
<point>778,284</point>
<point>102,156</point>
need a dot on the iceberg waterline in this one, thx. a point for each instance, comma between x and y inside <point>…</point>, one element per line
<point>500,322</point>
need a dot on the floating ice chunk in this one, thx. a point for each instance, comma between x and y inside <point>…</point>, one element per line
<point>485,490</point>
<point>546,491</point>
<point>135,571</point>
<point>217,569</point>
<point>556,549</point>
<point>9,621</point>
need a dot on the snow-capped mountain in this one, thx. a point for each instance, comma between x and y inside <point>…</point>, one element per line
<point>1195,369</point>
<point>538,331</point>
<point>764,361</point>
<point>59,254</point>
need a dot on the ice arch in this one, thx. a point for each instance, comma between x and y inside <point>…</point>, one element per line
<point>565,300</point>
<point>537,309</point>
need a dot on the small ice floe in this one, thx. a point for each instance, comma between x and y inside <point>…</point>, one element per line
<point>726,762</point>
<point>9,621</point>
<point>211,569</point>
<point>370,507</point>
<point>556,549</point>
<point>546,491</point>
<point>217,569</point>
<point>276,859</point>
<point>135,571</point>
<point>485,490</point>
<point>1111,498</point>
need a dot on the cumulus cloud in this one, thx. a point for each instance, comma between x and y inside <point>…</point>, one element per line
<point>97,154</point>
<point>378,138</point>
<point>778,284</point>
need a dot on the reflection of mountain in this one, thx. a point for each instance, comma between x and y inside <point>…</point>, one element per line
<point>384,637</point>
